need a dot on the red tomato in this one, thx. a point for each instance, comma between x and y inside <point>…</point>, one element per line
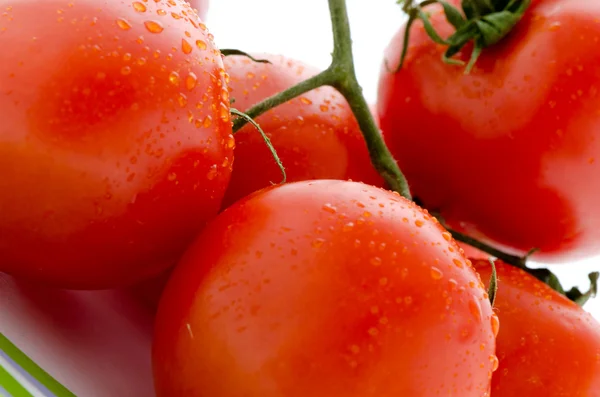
<point>201,6</point>
<point>547,345</point>
<point>316,136</point>
<point>115,142</point>
<point>324,288</point>
<point>472,252</point>
<point>521,129</point>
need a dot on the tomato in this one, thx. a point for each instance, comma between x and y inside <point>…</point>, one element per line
<point>316,135</point>
<point>520,129</point>
<point>547,345</point>
<point>115,144</point>
<point>324,288</point>
<point>472,252</point>
<point>201,6</point>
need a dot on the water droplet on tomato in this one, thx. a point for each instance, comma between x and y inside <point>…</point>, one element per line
<point>172,176</point>
<point>125,70</point>
<point>495,324</point>
<point>185,46</point>
<point>174,78</point>
<point>447,236</point>
<point>458,263</point>
<point>324,108</point>
<point>305,101</point>
<point>139,7</point>
<point>475,309</point>
<point>373,331</point>
<point>161,12</point>
<point>436,273</point>
<point>207,121</point>
<point>154,26</point>
<point>317,243</point>
<point>212,173</point>
<point>419,223</point>
<point>201,44</point>
<point>224,112</point>
<point>375,261</point>
<point>495,362</point>
<point>123,24</point>
<point>329,208</point>
<point>182,100</point>
<point>190,81</point>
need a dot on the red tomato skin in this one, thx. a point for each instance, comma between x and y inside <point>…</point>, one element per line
<point>109,167</point>
<point>201,7</point>
<point>521,129</point>
<point>547,345</point>
<point>316,135</point>
<point>323,288</point>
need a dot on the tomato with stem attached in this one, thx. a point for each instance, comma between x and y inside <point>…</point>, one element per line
<point>524,120</point>
<point>316,135</point>
<point>115,142</point>
<point>324,288</point>
<point>547,345</point>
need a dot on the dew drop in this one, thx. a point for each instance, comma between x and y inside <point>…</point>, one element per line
<point>212,173</point>
<point>375,261</point>
<point>153,26</point>
<point>436,273</point>
<point>125,70</point>
<point>224,112</point>
<point>139,7</point>
<point>348,227</point>
<point>123,24</point>
<point>201,44</point>
<point>305,101</point>
<point>419,223</point>
<point>317,243</point>
<point>495,324</point>
<point>182,100</point>
<point>207,121</point>
<point>190,81</point>
<point>458,263</point>
<point>329,208</point>
<point>447,236</point>
<point>475,310</point>
<point>185,46</point>
<point>174,78</point>
<point>495,362</point>
<point>161,12</point>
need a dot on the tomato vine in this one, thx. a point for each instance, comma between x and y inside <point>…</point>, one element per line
<point>341,75</point>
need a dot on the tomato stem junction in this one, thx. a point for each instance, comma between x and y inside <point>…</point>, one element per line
<point>342,76</point>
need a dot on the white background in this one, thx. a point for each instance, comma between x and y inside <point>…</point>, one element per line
<point>302,30</point>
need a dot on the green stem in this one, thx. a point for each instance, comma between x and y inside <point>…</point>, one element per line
<point>321,79</point>
<point>249,119</point>
<point>346,83</point>
<point>488,249</point>
<point>341,75</point>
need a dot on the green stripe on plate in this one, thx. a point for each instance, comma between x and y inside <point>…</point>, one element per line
<point>33,369</point>
<point>11,385</point>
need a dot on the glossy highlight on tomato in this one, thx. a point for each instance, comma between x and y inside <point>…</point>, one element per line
<point>324,288</point>
<point>521,129</point>
<point>547,345</point>
<point>201,6</point>
<point>316,135</point>
<point>115,141</point>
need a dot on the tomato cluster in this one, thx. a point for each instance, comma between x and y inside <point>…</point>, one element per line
<point>120,168</point>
